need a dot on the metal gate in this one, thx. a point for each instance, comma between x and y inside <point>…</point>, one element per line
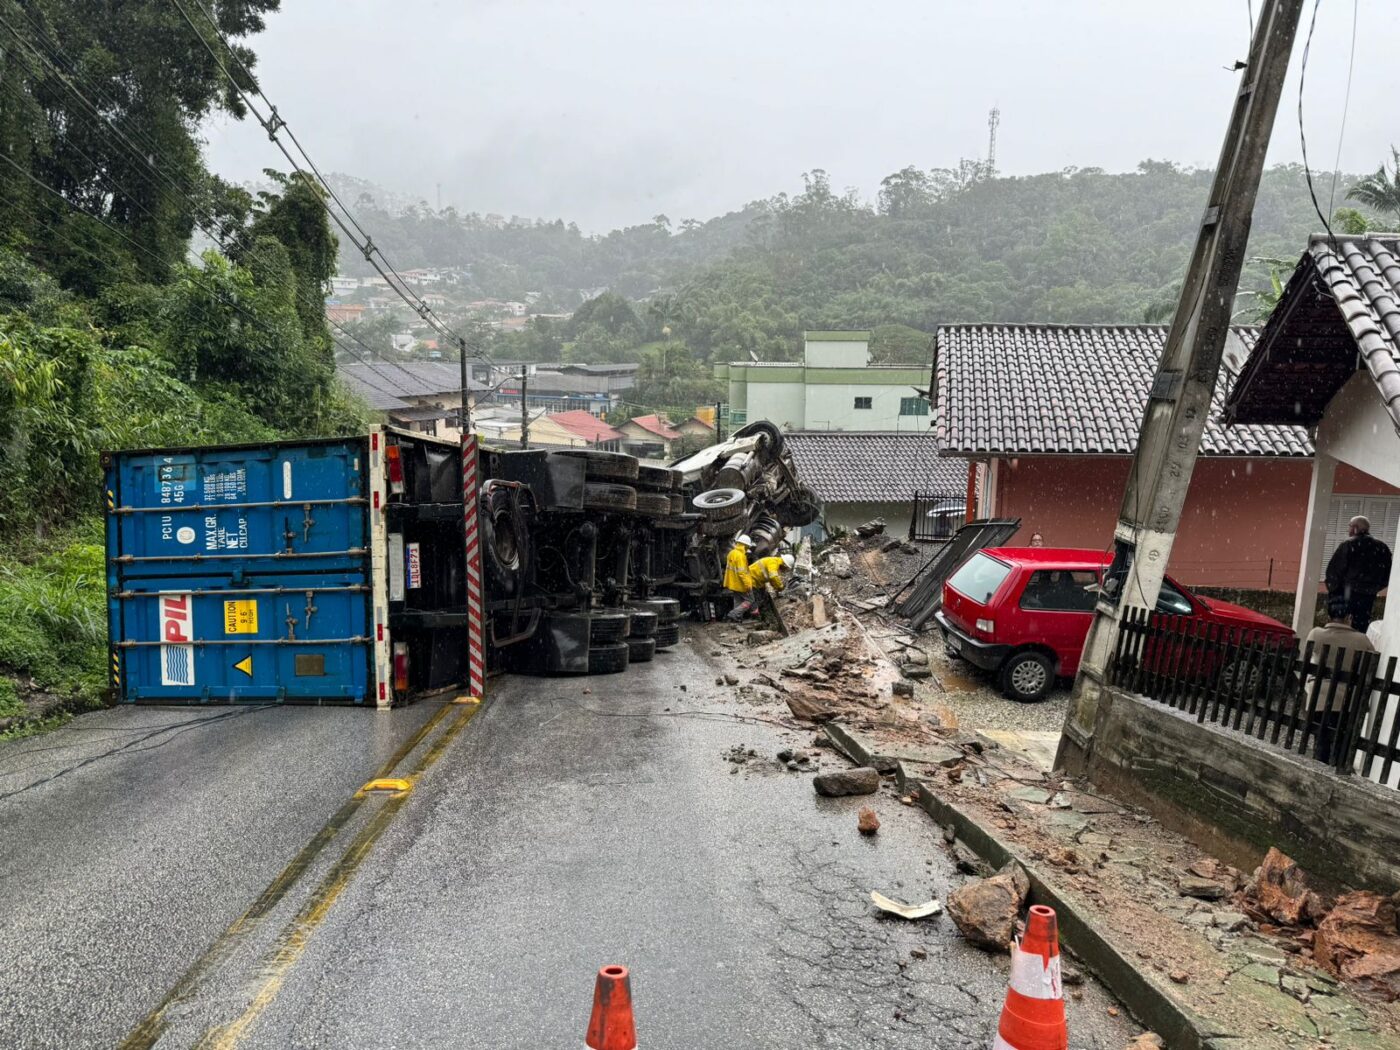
<point>937,516</point>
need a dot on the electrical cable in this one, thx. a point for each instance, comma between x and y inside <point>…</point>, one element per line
<point>275,123</point>
<point>1346,106</point>
<point>1302,134</point>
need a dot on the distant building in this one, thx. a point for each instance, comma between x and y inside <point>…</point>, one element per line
<point>342,313</point>
<point>696,427</point>
<point>648,437</point>
<point>344,285</point>
<point>425,396</point>
<point>577,429</point>
<point>833,387</point>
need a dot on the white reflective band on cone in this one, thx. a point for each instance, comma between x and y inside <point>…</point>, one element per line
<point>1001,1044</point>
<point>1032,977</point>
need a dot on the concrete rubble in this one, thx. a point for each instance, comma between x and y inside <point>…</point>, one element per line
<point>1252,961</point>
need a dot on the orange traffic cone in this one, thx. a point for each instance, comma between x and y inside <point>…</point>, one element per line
<point>611,1026</point>
<point>1033,1017</point>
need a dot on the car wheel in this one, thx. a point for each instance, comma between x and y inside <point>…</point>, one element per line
<point>1027,676</point>
<point>766,429</point>
<point>599,495</point>
<point>607,659</point>
<point>1242,678</point>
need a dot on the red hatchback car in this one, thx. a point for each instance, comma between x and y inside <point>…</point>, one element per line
<point>1023,613</point>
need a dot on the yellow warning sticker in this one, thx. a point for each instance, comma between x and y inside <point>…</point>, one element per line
<point>245,665</point>
<point>241,617</point>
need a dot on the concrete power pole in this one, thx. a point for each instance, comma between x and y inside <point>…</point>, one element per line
<point>465,418</point>
<point>524,409</point>
<point>1179,401</point>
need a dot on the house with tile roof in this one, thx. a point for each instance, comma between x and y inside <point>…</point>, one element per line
<point>1329,360</point>
<point>648,437</point>
<point>1050,414</point>
<point>574,429</point>
<point>425,396</point>
<point>860,475</point>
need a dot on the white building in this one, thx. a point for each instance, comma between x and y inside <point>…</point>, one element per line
<point>833,387</point>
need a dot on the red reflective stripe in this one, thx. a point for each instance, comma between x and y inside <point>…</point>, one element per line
<point>379,632</point>
<point>476,640</point>
<point>376,499</point>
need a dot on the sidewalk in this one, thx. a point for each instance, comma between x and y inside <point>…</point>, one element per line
<point>1158,921</point>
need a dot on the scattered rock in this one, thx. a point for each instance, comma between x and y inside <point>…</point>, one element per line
<point>1146,1041</point>
<point>891,545</point>
<point>867,822</point>
<point>985,911</point>
<point>785,755</point>
<point>915,656</point>
<point>902,689</point>
<point>873,527</point>
<point>1358,941</point>
<point>968,862</point>
<point>1202,889</point>
<point>917,672</point>
<point>1070,974</point>
<point>739,754</point>
<point>1279,891</point>
<point>1231,920</point>
<point>1179,976</point>
<point>762,637</point>
<point>859,781</point>
<point>719,679</point>
<point>731,679</point>
<point>839,565</point>
<point>918,953</point>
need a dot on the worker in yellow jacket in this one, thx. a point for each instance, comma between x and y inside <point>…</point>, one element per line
<point>736,575</point>
<point>765,572</point>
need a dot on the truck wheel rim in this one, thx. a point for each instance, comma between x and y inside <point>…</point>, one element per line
<point>1028,677</point>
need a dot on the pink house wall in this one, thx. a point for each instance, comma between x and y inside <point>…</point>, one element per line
<point>1240,513</point>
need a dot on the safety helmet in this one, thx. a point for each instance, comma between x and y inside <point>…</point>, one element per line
<point>789,561</point>
<point>743,538</point>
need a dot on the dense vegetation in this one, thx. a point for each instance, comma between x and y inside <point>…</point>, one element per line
<point>945,246</point>
<point>112,334</point>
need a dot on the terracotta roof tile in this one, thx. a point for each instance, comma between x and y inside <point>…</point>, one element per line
<point>874,467</point>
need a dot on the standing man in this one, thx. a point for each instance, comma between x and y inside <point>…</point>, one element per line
<point>1359,568</point>
<point>1337,636</point>
<point>736,576</point>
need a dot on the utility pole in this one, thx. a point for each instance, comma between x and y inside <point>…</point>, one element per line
<point>719,422</point>
<point>465,419</point>
<point>524,409</point>
<point>1179,401</point>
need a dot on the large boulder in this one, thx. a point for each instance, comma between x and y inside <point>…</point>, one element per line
<point>1279,892</point>
<point>1358,941</point>
<point>985,910</point>
<point>859,781</point>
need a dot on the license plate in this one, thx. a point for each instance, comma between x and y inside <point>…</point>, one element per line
<point>954,643</point>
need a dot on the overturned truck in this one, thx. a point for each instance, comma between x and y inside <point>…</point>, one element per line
<point>334,571</point>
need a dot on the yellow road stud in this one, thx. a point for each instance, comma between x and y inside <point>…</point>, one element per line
<point>389,784</point>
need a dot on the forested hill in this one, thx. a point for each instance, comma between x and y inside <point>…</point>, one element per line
<point>1079,245</point>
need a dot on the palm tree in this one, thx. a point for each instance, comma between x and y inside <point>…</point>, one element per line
<point>1381,189</point>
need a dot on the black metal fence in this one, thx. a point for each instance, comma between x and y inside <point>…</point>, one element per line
<point>937,516</point>
<point>1327,703</point>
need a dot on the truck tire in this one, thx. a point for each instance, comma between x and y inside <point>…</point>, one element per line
<point>655,504</point>
<point>667,610</point>
<point>505,550</point>
<point>1027,676</point>
<point>656,479</point>
<point>668,635</point>
<point>607,659</point>
<point>606,626</point>
<point>644,623</point>
<point>765,428</point>
<point>640,650</point>
<point>717,504</point>
<point>600,495</point>
<point>604,466</point>
<point>725,527</point>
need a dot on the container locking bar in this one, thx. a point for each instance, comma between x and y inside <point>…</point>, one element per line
<point>251,641</point>
<point>307,504</point>
<point>354,552</point>
<point>354,588</point>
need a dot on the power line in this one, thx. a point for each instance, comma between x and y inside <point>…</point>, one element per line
<point>1346,106</point>
<point>275,123</point>
<point>1302,134</point>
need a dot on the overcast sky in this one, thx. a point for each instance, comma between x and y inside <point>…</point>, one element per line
<point>610,112</point>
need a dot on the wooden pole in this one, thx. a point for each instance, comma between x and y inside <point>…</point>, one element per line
<point>1179,401</point>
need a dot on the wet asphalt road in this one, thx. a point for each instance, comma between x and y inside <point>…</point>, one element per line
<point>559,830</point>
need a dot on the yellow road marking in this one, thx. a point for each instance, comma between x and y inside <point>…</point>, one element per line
<point>292,941</point>
<point>154,1024</point>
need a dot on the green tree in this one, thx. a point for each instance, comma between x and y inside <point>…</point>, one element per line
<point>1380,189</point>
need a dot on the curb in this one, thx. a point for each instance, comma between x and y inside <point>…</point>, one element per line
<point>1180,1028</point>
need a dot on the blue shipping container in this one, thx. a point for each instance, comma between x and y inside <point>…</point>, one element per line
<point>241,573</point>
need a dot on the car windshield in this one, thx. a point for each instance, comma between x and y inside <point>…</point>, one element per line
<point>979,577</point>
<point>1172,601</point>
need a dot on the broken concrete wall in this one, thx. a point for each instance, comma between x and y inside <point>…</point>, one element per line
<point>1237,796</point>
